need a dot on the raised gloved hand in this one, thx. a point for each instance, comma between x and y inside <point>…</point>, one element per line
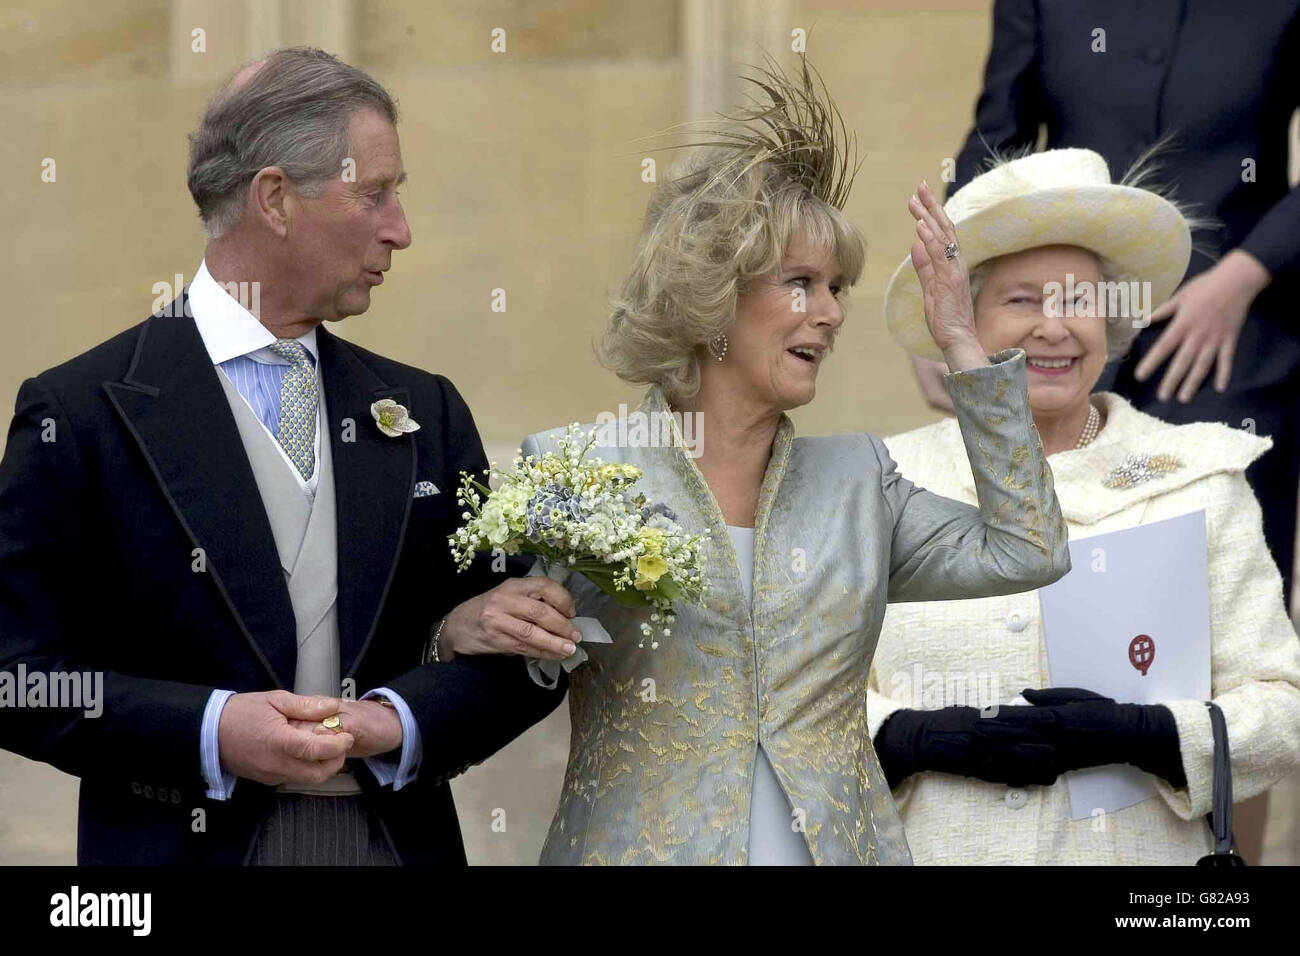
<point>1062,729</point>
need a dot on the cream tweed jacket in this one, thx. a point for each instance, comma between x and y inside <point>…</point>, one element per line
<point>930,654</point>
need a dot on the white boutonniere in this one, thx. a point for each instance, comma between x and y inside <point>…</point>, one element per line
<point>393,419</point>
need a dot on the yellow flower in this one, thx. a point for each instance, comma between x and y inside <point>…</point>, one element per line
<point>649,569</point>
<point>619,472</point>
<point>653,539</point>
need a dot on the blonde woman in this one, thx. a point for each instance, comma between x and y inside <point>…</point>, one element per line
<point>980,789</point>
<point>742,737</point>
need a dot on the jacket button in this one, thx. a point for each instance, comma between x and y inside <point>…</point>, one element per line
<point>1015,798</point>
<point>148,792</point>
<point>135,787</point>
<point>1017,621</point>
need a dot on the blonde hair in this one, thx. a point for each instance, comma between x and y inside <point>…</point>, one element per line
<point>724,216</point>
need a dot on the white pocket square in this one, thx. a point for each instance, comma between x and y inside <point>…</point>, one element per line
<point>425,488</point>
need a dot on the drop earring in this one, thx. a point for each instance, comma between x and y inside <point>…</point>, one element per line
<point>718,347</point>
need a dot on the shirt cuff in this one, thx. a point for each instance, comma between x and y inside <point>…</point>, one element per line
<point>220,784</point>
<point>402,773</point>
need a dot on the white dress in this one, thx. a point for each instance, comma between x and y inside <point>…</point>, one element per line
<point>773,841</point>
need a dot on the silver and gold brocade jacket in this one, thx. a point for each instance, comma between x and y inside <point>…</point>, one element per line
<point>664,740</point>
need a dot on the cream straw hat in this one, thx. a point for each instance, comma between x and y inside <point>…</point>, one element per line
<point>1057,197</point>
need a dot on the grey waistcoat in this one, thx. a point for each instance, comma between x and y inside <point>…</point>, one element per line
<point>305,537</point>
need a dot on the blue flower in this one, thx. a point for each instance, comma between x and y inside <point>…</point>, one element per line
<point>552,503</point>
<point>658,516</point>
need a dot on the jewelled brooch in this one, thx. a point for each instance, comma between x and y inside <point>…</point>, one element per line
<point>1136,469</point>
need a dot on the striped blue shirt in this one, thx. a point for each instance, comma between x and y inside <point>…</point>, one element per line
<point>260,384</point>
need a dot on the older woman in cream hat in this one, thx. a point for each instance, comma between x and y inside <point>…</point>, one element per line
<point>987,789</point>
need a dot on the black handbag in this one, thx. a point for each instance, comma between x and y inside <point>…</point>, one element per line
<point>1225,847</point>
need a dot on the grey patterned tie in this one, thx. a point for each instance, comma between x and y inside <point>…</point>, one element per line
<point>298,397</point>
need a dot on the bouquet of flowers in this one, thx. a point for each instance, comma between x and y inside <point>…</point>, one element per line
<point>582,515</point>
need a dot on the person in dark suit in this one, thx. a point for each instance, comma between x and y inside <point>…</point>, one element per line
<point>1217,84</point>
<point>224,528</point>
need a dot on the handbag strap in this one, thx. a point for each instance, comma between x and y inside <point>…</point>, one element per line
<point>1221,815</point>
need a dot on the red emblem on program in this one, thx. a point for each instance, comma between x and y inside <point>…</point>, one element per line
<point>1141,652</point>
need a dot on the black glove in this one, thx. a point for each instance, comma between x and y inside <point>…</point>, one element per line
<point>1093,730</point>
<point>1062,729</point>
<point>1013,746</point>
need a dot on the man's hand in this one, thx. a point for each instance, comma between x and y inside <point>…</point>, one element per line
<point>375,729</point>
<point>260,738</point>
<point>1208,313</point>
<point>519,616</point>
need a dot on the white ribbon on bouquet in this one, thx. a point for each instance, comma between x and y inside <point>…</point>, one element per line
<point>546,673</point>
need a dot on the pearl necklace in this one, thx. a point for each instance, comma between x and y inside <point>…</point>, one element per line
<point>1091,427</point>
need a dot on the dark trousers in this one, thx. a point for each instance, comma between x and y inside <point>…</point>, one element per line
<point>305,830</point>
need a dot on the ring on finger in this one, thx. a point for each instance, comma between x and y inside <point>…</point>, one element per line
<point>332,722</point>
<point>950,251</point>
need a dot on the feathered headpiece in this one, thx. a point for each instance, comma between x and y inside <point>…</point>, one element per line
<point>794,125</point>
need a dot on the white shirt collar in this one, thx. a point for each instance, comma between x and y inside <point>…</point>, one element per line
<point>228,329</point>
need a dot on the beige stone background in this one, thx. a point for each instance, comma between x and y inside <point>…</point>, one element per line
<point>525,174</point>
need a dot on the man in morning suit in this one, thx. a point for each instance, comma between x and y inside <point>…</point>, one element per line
<point>204,514</point>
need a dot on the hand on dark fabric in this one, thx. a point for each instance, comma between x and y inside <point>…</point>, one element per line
<point>1062,729</point>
